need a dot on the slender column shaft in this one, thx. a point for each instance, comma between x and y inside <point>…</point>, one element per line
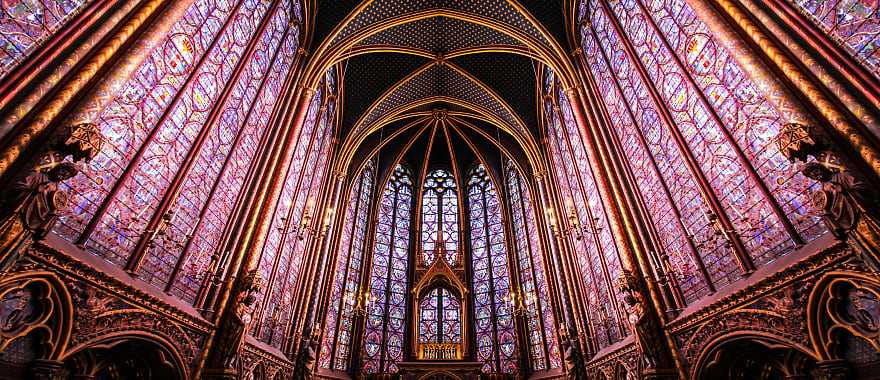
<point>288,218</point>
<point>257,223</point>
<point>551,253</point>
<point>33,81</point>
<point>592,216</point>
<point>246,199</point>
<point>54,107</point>
<point>29,83</point>
<point>314,255</point>
<point>327,290</point>
<point>620,220</point>
<point>832,53</point>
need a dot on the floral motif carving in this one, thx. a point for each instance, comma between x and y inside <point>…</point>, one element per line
<point>252,356</point>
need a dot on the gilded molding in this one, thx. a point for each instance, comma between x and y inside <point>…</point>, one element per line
<point>42,88</point>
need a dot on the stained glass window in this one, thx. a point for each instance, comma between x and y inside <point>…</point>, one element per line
<point>597,253</point>
<point>440,217</point>
<point>543,345</point>
<point>440,317</point>
<point>853,24</point>
<point>385,321</point>
<point>288,238</point>
<point>692,126</point>
<point>493,312</point>
<point>25,25</point>
<point>182,136</point>
<point>336,347</point>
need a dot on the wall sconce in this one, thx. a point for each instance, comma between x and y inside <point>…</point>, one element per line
<point>166,220</point>
<point>304,225</point>
<point>328,217</point>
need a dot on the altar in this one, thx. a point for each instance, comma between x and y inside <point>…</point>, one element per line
<point>439,370</point>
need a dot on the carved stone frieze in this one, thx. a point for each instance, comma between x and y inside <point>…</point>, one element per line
<point>835,255</point>
<point>627,356</point>
<point>106,308</point>
<point>45,256</point>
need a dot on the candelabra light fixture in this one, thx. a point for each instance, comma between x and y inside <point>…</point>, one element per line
<point>363,302</point>
<point>515,299</point>
<point>304,227</point>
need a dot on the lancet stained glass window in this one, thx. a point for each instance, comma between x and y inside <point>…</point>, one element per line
<point>440,317</point>
<point>493,312</point>
<point>685,100</point>
<point>440,217</point>
<point>385,321</point>
<point>543,346</point>
<point>181,138</point>
<point>336,348</point>
<point>25,25</point>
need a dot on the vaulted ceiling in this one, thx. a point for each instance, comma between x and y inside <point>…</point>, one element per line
<point>402,60</point>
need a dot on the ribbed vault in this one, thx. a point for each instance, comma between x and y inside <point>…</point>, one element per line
<point>378,44</point>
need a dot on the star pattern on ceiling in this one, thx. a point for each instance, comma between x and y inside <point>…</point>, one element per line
<point>497,11</point>
<point>439,34</point>
<point>439,81</point>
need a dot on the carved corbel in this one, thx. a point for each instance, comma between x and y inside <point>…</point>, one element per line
<point>848,206</point>
<point>30,206</point>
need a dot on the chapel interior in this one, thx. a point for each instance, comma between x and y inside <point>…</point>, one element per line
<point>439,189</point>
